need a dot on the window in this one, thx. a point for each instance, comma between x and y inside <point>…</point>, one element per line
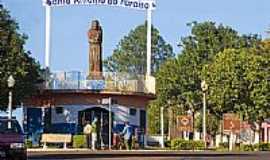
<point>143,119</point>
<point>132,112</point>
<point>59,110</point>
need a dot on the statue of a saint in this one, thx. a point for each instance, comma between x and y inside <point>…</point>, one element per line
<point>95,51</point>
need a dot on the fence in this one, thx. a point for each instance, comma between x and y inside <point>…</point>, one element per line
<point>121,82</point>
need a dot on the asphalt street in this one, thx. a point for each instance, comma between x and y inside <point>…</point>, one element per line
<point>151,156</point>
<point>173,158</point>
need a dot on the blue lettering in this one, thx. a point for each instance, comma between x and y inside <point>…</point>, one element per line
<point>141,5</point>
<point>146,5</point>
<point>48,2</point>
<point>54,1</point>
<point>77,1</point>
<point>135,4</point>
<point>57,2</point>
<point>125,3</point>
<point>154,5</point>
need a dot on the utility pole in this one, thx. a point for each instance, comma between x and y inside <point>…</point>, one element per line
<point>149,41</point>
<point>110,123</point>
<point>109,102</point>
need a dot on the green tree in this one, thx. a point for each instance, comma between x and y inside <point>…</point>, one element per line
<point>153,119</point>
<point>239,83</point>
<point>130,54</point>
<point>212,121</point>
<point>16,61</point>
<point>181,78</point>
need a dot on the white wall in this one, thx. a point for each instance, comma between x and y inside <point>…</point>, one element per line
<point>122,114</point>
<point>70,114</point>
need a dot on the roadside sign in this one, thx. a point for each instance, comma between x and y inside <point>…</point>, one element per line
<point>185,123</point>
<point>245,125</point>
<point>106,101</point>
<point>246,132</point>
<point>231,123</point>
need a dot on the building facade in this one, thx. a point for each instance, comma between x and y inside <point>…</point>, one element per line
<point>69,100</point>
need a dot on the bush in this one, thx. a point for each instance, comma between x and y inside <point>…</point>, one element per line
<point>264,146</point>
<point>198,145</point>
<point>79,141</point>
<point>224,145</point>
<point>168,143</point>
<point>28,143</point>
<point>248,147</point>
<point>180,144</point>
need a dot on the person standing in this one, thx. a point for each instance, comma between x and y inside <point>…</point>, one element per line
<point>127,133</point>
<point>87,130</point>
<point>94,133</point>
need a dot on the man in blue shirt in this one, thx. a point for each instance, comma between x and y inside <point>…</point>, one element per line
<point>127,133</point>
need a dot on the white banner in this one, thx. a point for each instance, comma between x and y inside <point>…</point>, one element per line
<point>134,4</point>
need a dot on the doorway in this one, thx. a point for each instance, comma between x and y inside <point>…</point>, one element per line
<point>102,116</point>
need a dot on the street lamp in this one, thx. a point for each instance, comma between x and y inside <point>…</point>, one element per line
<point>204,87</point>
<point>11,83</point>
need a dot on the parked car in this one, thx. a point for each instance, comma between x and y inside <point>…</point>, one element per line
<point>11,140</point>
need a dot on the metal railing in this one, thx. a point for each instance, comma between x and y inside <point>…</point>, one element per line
<point>118,82</point>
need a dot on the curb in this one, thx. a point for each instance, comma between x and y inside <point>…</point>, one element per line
<point>79,153</point>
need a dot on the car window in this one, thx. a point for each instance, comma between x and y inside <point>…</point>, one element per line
<point>15,127</point>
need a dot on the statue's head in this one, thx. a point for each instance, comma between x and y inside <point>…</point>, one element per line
<point>95,24</point>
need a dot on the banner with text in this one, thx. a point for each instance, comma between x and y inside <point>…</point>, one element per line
<point>133,4</point>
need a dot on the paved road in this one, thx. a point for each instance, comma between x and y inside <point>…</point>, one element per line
<point>151,156</point>
<point>172,158</point>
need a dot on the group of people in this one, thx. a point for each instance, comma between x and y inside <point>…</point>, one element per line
<point>90,130</point>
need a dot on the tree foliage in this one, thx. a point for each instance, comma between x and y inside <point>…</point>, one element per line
<point>239,82</point>
<point>210,119</point>
<point>153,115</point>
<point>130,54</point>
<point>182,76</point>
<point>16,61</point>
<point>180,79</point>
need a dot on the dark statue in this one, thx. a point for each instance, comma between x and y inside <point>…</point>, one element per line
<point>95,51</point>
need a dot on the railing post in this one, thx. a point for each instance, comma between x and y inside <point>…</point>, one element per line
<point>79,80</point>
<point>65,145</point>
<point>115,82</point>
<point>45,145</point>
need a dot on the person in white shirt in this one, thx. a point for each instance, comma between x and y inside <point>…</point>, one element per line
<point>94,133</point>
<point>87,130</point>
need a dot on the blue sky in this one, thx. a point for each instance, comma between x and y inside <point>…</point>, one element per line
<point>70,24</point>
